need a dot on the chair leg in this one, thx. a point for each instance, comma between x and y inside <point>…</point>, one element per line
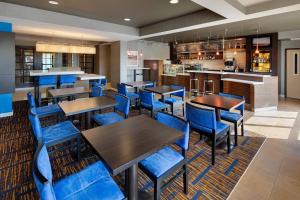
<point>78,149</point>
<point>235,134</point>
<point>156,189</point>
<point>183,110</point>
<point>185,180</point>
<point>228,142</point>
<point>151,113</point>
<point>140,110</point>
<point>242,127</point>
<point>172,109</point>
<point>213,150</point>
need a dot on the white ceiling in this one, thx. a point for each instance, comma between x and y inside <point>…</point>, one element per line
<point>247,3</point>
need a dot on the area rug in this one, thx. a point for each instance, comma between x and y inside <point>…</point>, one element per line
<point>205,181</point>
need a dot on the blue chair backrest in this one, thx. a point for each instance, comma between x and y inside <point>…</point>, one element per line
<point>123,104</point>
<point>122,89</point>
<point>146,98</point>
<point>103,82</point>
<point>96,91</point>
<point>47,80</point>
<point>241,107</point>
<point>42,174</point>
<point>35,124</point>
<point>201,116</point>
<point>181,93</point>
<point>30,100</point>
<point>150,85</point>
<point>67,79</point>
<point>177,123</point>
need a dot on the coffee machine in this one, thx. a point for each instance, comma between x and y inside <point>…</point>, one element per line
<point>229,64</point>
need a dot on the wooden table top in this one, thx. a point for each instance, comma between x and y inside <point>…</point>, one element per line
<point>138,83</point>
<point>86,105</point>
<point>63,92</point>
<point>218,102</point>
<point>125,143</point>
<point>163,90</point>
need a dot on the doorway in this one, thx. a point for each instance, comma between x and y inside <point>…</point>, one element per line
<point>292,57</point>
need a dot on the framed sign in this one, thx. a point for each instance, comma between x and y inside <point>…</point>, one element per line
<point>133,58</point>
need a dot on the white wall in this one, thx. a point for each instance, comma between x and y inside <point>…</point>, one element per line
<point>151,51</point>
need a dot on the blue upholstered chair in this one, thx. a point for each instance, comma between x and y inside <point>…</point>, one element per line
<point>93,182</point>
<point>43,111</point>
<point>176,98</point>
<point>67,80</point>
<point>150,84</point>
<point>45,82</point>
<point>204,122</point>
<point>164,163</point>
<point>148,102</point>
<point>122,89</point>
<point>122,106</point>
<point>55,134</point>
<point>96,91</point>
<point>103,82</point>
<point>236,118</point>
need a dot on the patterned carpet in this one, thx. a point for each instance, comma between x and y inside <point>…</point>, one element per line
<point>205,181</point>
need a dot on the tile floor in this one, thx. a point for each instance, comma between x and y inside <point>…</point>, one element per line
<point>274,173</point>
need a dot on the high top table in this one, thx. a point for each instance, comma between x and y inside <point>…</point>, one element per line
<point>51,72</point>
<point>124,144</point>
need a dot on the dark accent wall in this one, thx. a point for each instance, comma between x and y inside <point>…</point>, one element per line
<point>7,62</point>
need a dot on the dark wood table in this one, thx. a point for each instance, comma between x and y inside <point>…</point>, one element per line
<point>124,144</point>
<point>164,90</point>
<point>68,92</point>
<point>86,105</point>
<point>138,84</point>
<point>218,102</point>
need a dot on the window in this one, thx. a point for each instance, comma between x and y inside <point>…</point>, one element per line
<point>296,63</point>
<point>48,60</point>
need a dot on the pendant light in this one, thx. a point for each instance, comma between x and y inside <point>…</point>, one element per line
<point>217,53</point>
<point>257,50</point>
<point>235,45</point>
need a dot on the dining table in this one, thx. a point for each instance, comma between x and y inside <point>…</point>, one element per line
<point>138,84</point>
<point>86,105</point>
<point>67,92</point>
<point>122,145</point>
<point>164,90</point>
<point>218,103</point>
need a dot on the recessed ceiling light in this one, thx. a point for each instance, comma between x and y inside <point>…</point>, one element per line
<point>53,2</point>
<point>127,19</point>
<point>174,1</point>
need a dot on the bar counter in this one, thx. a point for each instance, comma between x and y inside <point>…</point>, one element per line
<point>260,90</point>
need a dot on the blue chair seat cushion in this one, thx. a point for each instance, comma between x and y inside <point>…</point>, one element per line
<point>230,116</point>
<point>48,110</point>
<point>157,105</point>
<point>220,128</point>
<point>107,118</point>
<point>59,132</point>
<point>132,95</point>
<point>93,182</point>
<point>172,100</point>
<point>160,162</point>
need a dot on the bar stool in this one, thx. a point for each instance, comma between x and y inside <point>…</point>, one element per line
<point>194,90</point>
<point>207,83</point>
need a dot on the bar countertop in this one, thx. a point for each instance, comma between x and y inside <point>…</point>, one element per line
<point>230,73</point>
<point>48,73</point>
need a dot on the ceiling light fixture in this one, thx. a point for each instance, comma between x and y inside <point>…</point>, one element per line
<point>174,1</point>
<point>127,19</point>
<point>53,2</point>
<point>257,50</point>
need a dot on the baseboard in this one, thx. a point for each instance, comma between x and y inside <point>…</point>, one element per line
<point>2,115</point>
<point>273,108</point>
